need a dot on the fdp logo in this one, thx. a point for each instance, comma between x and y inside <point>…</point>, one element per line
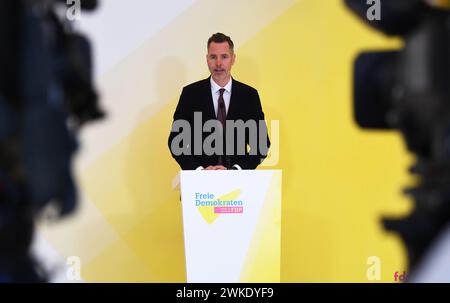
<point>400,277</point>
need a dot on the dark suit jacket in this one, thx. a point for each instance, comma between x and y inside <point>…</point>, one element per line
<point>244,105</point>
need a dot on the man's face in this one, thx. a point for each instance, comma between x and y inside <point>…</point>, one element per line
<point>220,60</point>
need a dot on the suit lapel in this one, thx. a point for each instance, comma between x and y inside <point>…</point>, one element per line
<point>208,113</point>
<point>233,100</point>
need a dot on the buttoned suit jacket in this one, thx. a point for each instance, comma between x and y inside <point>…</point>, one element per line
<point>244,105</point>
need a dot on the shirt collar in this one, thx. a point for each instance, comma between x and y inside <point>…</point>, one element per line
<point>215,87</point>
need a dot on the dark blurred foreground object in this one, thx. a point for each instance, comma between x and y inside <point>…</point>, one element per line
<point>46,95</point>
<point>409,90</point>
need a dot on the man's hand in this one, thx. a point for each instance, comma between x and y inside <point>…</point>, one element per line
<point>216,167</point>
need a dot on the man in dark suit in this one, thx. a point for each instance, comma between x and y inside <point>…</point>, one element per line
<point>225,102</point>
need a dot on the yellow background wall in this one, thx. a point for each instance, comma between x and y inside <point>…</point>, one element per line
<point>337,179</point>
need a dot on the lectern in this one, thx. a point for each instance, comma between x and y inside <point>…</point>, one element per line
<point>232,225</point>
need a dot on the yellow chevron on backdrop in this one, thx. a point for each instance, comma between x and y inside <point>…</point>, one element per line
<point>337,179</point>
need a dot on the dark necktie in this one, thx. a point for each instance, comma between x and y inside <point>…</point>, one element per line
<point>221,116</point>
<point>221,112</point>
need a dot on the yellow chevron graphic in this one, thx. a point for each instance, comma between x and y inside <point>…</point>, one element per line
<point>207,212</point>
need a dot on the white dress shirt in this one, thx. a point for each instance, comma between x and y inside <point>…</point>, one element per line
<point>215,92</point>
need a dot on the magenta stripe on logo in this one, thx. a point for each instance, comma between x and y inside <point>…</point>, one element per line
<point>228,210</point>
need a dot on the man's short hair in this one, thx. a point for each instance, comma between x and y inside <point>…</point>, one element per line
<point>220,38</point>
